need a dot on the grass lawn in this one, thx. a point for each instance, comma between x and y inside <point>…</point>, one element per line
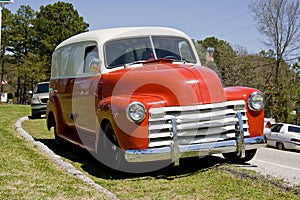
<point>28,174</point>
<point>25,173</point>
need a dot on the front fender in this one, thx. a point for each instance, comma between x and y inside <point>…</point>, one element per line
<point>255,119</point>
<point>130,135</point>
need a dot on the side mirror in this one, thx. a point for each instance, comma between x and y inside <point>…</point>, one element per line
<point>30,92</point>
<point>209,55</point>
<point>210,49</point>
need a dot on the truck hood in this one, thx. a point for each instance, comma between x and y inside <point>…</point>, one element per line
<point>176,84</point>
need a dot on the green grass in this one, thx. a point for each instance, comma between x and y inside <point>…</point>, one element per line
<point>25,173</point>
<point>31,175</point>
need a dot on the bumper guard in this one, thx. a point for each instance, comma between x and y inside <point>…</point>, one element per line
<point>176,151</point>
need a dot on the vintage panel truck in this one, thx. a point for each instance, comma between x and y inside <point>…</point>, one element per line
<point>139,94</point>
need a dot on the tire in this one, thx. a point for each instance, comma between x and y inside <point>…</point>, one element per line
<point>279,146</point>
<point>109,152</point>
<point>57,140</point>
<point>233,158</point>
<point>35,116</point>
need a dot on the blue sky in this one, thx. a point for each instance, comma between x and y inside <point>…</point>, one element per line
<point>229,20</point>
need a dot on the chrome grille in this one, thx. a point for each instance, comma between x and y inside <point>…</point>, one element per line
<point>44,100</point>
<point>196,124</point>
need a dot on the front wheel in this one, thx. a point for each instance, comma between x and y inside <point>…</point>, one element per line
<point>109,151</point>
<point>57,140</point>
<point>233,158</point>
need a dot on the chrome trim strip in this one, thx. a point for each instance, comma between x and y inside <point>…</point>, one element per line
<point>240,145</point>
<point>175,143</point>
<point>165,153</point>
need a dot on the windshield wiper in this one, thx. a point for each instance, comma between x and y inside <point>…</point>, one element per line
<point>153,60</point>
<point>134,62</point>
<point>182,60</point>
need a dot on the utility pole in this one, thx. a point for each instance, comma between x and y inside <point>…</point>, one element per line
<point>1,6</point>
<point>2,3</point>
<point>2,75</point>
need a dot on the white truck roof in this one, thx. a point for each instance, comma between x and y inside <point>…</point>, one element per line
<point>104,35</point>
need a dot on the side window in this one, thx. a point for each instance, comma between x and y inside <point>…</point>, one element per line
<point>60,59</point>
<point>276,128</point>
<point>75,66</point>
<point>55,64</point>
<point>294,129</point>
<point>91,60</point>
<point>64,60</point>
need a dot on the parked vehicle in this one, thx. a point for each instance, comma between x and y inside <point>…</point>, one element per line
<point>140,94</point>
<point>267,127</point>
<point>39,99</point>
<point>284,136</point>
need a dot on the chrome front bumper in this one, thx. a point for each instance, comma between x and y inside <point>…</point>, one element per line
<point>176,151</point>
<point>200,150</point>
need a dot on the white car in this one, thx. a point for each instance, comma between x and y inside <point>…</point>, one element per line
<point>267,127</point>
<point>284,136</point>
<point>39,99</point>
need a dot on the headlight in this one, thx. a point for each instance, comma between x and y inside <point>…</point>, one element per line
<point>256,101</point>
<point>35,100</point>
<point>136,111</point>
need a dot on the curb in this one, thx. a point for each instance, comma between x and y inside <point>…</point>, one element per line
<point>69,168</point>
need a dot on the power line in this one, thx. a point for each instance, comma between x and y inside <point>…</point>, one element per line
<point>211,14</point>
<point>237,30</point>
<point>290,59</point>
<point>251,41</point>
<point>221,22</point>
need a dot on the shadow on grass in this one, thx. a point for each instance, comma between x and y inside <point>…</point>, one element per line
<point>91,165</point>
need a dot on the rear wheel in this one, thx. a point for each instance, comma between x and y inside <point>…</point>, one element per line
<point>233,158</point>
<point>279,146</point>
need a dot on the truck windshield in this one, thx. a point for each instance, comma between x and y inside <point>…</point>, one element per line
<point>130,50</point>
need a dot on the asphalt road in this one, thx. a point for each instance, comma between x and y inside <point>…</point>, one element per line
<point>277,163</point>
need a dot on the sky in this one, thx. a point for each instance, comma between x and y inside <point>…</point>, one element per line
<point>229,20</point>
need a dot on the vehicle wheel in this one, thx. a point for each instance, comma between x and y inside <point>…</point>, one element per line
<point>109,151</point>
<point>57,139</point>
<point>233,158</point>
<point>279,146</point>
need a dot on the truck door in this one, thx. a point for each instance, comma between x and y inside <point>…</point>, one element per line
<point>85,98</point>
